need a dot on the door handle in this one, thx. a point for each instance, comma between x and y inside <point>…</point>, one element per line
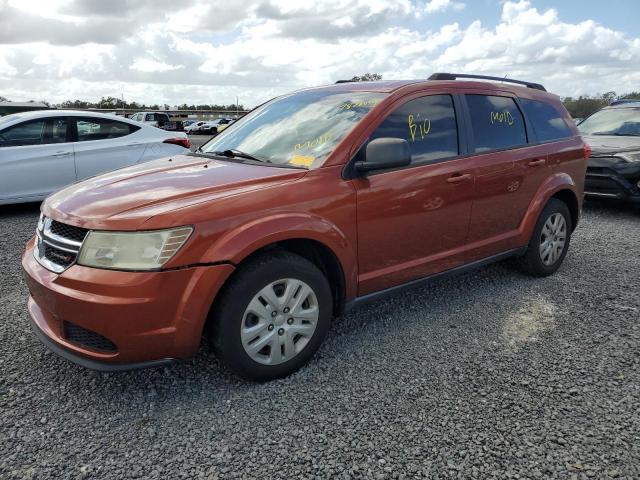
<point>134,144</point>
<point>61,154</point>
<point>537,162</point>
<point>459,178</point>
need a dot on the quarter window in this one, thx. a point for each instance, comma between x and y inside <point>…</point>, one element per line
<point>428,124</point>
<point>102,129</point>
<point>546,120</point>
<point>497,123</point>
<point>36,132</point>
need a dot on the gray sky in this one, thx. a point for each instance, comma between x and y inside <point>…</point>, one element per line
<point>196,51</point>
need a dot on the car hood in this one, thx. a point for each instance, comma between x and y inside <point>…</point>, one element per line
<point>126,198</point>
<point>604,145</point>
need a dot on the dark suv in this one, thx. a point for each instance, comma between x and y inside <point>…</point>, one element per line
<point>614,165</point>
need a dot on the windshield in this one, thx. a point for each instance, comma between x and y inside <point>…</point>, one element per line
<point>298,130</point>
<point>616,121</point>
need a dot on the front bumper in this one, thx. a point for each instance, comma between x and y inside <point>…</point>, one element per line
<point>148,318</point>
<point>607,177</point>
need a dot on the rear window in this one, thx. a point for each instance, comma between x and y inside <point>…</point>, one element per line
<point>497,123</point>
<point>102,129</point>
<point>547,122</point>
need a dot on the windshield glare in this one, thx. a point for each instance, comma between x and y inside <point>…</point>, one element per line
<point>616,121</point>
<point>299,130</point>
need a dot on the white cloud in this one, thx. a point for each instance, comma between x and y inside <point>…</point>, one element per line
<point>148,65</point>
<point>433,6</point>
<point>199,52</point>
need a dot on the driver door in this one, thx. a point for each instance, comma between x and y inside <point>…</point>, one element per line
<point>414,221</point>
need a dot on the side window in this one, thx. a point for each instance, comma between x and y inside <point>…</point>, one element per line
<point>149,117</point>
<point>428,124</point>
<point>546,120</point>
<point>102,129</point>
<point>56,130</point>
<point>496,121</point>
<point>36,132</point>
<point>27,133</point>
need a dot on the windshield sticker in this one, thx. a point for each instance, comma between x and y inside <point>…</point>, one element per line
<point>302,160</point>
<point>502,117</point>
<point>416,125</point>
<point>316,142</point>
<point>362,103</point>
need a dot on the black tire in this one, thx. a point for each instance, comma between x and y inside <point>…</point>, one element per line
<point>247,281</point>
<point>531,262</point>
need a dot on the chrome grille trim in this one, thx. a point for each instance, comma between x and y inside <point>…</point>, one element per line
<point>45,237</point>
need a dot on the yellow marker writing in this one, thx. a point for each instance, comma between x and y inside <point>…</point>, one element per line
<point>502,117</point>
<point>424,126</point>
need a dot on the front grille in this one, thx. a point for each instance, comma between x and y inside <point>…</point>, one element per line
<point>60,257</point>
<point>86,338</point>
<point>68,231</point>
<point>58,244</point>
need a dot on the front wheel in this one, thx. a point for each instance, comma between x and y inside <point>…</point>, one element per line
<point>550,240</point>
<point>272,316</point>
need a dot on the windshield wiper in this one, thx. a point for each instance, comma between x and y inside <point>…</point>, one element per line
<point>233,153</point>
<point>615,134</point>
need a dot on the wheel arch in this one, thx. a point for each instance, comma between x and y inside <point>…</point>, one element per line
<point>309,236</point>
<point>568,197</point>
<point>560,186</point>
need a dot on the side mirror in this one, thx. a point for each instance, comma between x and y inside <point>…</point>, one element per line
<point>383,153</point>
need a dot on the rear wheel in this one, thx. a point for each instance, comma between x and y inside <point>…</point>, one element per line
<point>272,316</point>
<point>550,240</point>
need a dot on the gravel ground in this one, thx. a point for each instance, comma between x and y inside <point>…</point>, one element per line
<point>491,374</point>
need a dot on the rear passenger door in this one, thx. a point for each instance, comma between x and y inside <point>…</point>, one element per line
<point>104,145</point>
<point>508,171</point>
<point>413,221</point>
<point>36,159</point>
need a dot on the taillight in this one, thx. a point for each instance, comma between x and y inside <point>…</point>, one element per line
<point>587,151</point>
<point>183,142</point>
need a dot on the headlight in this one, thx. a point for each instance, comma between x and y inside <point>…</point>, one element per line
<point>629,156</point>
<point>132,250</point>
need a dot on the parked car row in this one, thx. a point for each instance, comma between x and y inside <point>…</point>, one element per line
<point>199,127</point>
<point>287,219</point>
<point>212,127</point>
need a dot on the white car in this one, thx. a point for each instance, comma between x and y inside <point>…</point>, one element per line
<point>213,127</point>
<point>194,127</point>
<point>43,151</point>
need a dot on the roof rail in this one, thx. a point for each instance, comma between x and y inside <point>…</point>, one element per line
<point>344,81</point>
<point>622,101</point>
<point>454,76</point>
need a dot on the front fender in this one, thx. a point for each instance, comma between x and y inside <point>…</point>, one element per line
<point>552,185</point>
<point>236,245</point>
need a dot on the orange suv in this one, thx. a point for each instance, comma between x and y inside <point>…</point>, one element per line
<point>311,204</point>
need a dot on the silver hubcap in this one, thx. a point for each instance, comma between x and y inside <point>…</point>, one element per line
<point>553,239</point>
<point>279,321</point>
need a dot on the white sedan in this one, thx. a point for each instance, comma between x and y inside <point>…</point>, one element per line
<point>193,127</point>
<point>43,151</point>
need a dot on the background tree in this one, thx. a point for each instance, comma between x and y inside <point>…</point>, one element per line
<point>367,77</point>
<point>585,105</point>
